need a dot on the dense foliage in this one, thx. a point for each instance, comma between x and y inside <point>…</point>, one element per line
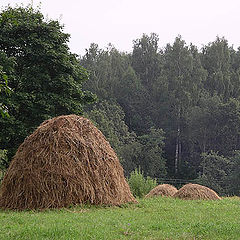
<point>45,77</point>
<point>179,105</point>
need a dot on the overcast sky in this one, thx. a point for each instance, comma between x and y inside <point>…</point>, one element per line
<point>121,21</point>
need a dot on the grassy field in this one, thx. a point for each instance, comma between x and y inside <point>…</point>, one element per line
<point>158,218</point>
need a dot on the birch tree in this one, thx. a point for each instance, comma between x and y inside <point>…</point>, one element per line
<point>184,75</point>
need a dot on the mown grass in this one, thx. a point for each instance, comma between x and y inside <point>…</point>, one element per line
<point>157,218</point>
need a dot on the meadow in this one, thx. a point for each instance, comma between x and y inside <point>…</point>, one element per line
<point>155,218</point>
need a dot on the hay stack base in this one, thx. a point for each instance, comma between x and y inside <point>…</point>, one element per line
<point>162,190</point>
<point>196,192</point>
<point>66,161</point>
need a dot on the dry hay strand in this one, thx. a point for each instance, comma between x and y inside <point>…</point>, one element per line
<point>166,190</point>
<point>196,192</point>
<point>65,161</point>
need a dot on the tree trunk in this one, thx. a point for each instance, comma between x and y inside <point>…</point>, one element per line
<point>178,147</point>
<point>178,144</point>
<point>179,152</point>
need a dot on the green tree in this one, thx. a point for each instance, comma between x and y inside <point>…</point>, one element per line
<point>234,176</point>
<point>105,68</point>
<point>235,72</point>
<point>146,62</point>
<point>3,111</point>
<point>151,155</point>
<point>183,76</point>
<point>133,98</point>
<point>227,133</point>
<point>216,59</point>
<point>6,70</point>
<point>212,125</point>
<point>215,171</point>
<point>113,79</point>
<point>202,122</point>
<point>146,59</point>
<point>4,88</point>
<point>202,125</point>
<point>109,118</point>
<point>47,78</point>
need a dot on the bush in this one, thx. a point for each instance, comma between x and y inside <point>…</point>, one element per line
<point>139,185</point>
<point>215,173</point>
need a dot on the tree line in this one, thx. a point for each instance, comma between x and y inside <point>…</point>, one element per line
<point>172,111</point>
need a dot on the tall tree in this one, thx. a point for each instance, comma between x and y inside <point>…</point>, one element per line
<point>146,59</point>
<point>105,68</point>
<point>201,130</point>
<point>151,158</point>
<point>113,79</point>
<point>6,71</point>
<point>134,97</point>
<point>146,62</point>
<point>235,73</point>
<point>183,74</point>
<point>216,59</point>
<point>47,77</point>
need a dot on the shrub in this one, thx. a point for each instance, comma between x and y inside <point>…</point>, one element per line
<point>140,185</point>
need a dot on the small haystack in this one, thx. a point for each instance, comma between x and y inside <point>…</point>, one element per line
<point>195,191</point>
<point>66,161</point>
<point>166,190</point>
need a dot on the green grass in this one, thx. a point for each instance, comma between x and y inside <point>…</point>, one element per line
<point>157,218</point>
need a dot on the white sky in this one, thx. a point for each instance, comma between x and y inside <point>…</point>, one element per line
<point>121,21</point>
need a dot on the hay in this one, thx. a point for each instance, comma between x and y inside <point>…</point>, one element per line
<point>162,190</point>
<point>195,191</point>
<point>65,161</point>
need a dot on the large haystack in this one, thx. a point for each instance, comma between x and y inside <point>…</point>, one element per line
<point>195,191</point>
<point>166,190</point>
<point>66,161</point>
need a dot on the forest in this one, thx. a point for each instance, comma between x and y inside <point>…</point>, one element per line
<point>172,111</point>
